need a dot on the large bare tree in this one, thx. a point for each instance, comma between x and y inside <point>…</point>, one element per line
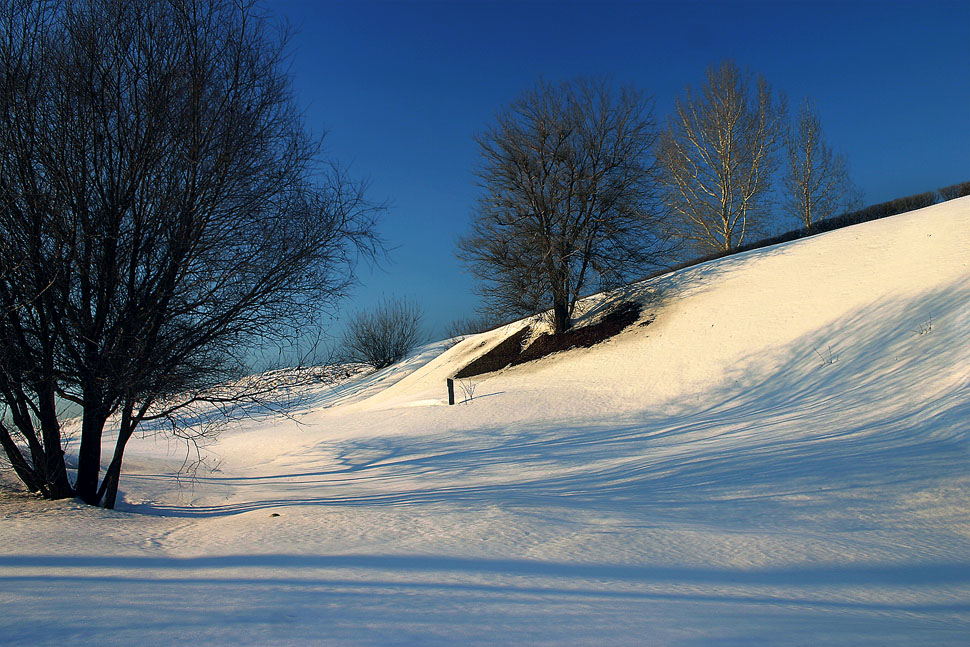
<point>568,198</point>
<point>816,179</point>
<point>162,214</point>
<point>718,155</point>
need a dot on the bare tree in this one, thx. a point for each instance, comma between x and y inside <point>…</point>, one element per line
<point>568,198</point>
<point>954,191</point>
<point>160,219</point>
<point>718,157</point>
<point>466,326</point>
<point>816,179</point>
<point>385,335</point>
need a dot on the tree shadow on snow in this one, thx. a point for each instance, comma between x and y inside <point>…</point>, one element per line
<point>774,441</point>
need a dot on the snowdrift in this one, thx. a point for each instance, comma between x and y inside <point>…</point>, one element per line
<point>779,457</point>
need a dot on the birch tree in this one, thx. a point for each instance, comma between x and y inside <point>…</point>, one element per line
<point>816,179</point>
<point>718,155</point>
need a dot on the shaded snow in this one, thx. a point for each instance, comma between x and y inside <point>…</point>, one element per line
<point>780,458</point>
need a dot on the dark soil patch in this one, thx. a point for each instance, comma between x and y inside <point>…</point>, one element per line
<point>497,358</point>
<point>510,352</point>
<point>618,319</point>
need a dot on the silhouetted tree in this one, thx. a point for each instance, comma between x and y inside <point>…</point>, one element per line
<point>160,217</point>
<point>568,198</point>
<point>954,191</point>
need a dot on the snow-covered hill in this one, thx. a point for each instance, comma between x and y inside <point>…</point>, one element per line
<point>782,457</point>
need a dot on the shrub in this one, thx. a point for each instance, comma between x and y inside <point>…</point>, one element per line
<point>385,335</point>
<point>472,326</point>
<point>954,191</point>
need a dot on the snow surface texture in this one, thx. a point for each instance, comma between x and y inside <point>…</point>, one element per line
<point>780,458</point>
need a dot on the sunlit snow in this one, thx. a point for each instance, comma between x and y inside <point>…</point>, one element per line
<point>779,458</point>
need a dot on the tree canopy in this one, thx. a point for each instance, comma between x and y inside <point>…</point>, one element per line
<point>162,212</point>
<point>568,198</point>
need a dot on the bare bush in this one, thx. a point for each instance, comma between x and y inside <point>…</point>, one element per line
<point>385,335</point>
<point>460,328</point>
<point>468,390</point>
<point>954,191</point>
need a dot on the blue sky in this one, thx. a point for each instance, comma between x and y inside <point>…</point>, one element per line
<point>402,87</point>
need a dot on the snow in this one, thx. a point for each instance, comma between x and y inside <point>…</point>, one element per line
<point>779,458</point>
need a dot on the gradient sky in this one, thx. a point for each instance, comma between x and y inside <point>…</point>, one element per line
<point>402,87</point>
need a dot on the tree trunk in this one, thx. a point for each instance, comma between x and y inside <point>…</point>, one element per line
<point>89,455</point>
<point>560,313</point>
<point>108,492</point>
<point>37,465</point>
<point>17,461</point>
<point>54,469</point>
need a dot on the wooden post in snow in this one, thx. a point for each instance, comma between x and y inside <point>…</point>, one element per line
<point>451,391</point>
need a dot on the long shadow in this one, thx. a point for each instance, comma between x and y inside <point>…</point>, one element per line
<point>335,388</point>
<point>903,575</point>
<point>785,426</point>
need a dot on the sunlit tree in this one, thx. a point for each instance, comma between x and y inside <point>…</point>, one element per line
<point>718,156</point>
<point>816,179</point>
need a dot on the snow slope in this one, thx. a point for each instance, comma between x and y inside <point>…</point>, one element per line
<point>779,458</point>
